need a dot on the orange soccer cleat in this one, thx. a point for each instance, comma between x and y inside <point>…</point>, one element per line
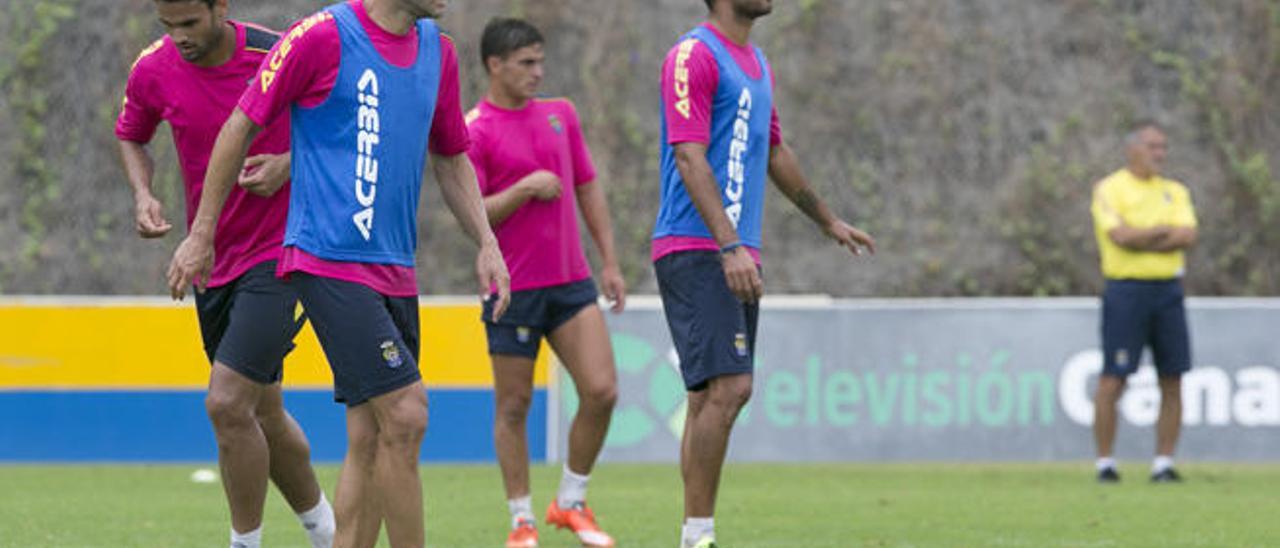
<point>525,535</point>
<point>582,521</point>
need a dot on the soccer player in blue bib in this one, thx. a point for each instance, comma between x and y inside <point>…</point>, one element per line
<point>371,87</point>
<point>721,140</point>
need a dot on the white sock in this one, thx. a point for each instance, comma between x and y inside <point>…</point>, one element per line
<point>319,523</point>
<point>1104,463</point>
<point>521,509</point>
<point>573,488</point>
<point>252,539</point>
<point>696,529</point>
<point>1161,463</point>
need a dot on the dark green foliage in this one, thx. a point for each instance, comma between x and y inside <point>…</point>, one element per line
<point>965,135</point>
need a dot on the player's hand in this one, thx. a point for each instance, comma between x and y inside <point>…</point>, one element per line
<point>149,218</point>
<point>742,275</point>
<point>264,174</point>
<point>192,263</point>
<point>855,240</point>
<point>614,287</point>
<point>544,185</point>
<point>492,272</point>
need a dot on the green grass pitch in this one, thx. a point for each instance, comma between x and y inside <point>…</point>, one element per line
<point>761,505</point>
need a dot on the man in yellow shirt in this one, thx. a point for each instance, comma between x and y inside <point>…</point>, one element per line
<point>1143,223</point>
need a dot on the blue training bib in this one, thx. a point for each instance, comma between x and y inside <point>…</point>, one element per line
<point>738,153</point>
<point>358,157</point>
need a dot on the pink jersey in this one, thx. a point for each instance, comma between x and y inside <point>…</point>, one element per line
<point>539,240</point>
<point>196,101</point>
<point>703,77</point>
<point>302,70</point>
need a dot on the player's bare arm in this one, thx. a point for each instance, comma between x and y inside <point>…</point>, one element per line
<point>540,185</point>
<point>149,218</point>
<point>595,211</point>
<point>1178,238</point>
<point>1160,238</point>
<point>739,267</point>
<point>457,179</point>
<point>1138,239</point>
<point>785,171</point>
<point>265,174</point>
<point>193,260</point>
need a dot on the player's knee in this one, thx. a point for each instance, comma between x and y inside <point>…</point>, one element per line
<point>731,393</point>
<point>404,423</point>
<point>740,396</point>
<point>270,415</point>
<point>227,411</point>
<point>1110,388</point>
<point>600,396</point>
<point>362,445</point>
<point>513,409</point>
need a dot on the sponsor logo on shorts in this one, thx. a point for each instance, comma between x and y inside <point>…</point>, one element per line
<point>740,344</point>
<point>391,354</point>
<point>1122,357</point>
<point>522,334</point>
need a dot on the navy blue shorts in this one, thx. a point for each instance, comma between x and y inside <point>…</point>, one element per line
<point>249,324</point>
<point>714,332</point>
<point>1139,313</point>
<point>533,314</point>
<point>371,340</point>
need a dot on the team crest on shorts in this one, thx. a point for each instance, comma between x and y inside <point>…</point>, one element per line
<point>1122,357</point>
<point>522,334</point>
<point>740,344</point>
<point>555,123</point>
<point>391,354</point>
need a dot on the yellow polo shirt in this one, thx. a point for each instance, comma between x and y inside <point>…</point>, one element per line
<point>1122,198</point>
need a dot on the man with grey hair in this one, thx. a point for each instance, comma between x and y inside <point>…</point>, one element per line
<point>1144,224</point>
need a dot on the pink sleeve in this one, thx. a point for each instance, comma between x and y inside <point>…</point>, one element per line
<point>476,152</point>
<point>775,124</point>
<point>302,68</point>
<point>448,128</point>
<point>584,170</point>
<point>689,80</point>
<point>139,117</point>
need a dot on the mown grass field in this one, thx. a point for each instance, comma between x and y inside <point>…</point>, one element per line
<point>762,505</point>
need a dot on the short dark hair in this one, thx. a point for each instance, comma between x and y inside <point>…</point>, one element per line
<point>205,2</point>
<point>503,35</point>
<point>711,4</point>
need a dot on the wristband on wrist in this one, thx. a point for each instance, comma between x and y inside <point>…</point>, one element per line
<point>729,247</point>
